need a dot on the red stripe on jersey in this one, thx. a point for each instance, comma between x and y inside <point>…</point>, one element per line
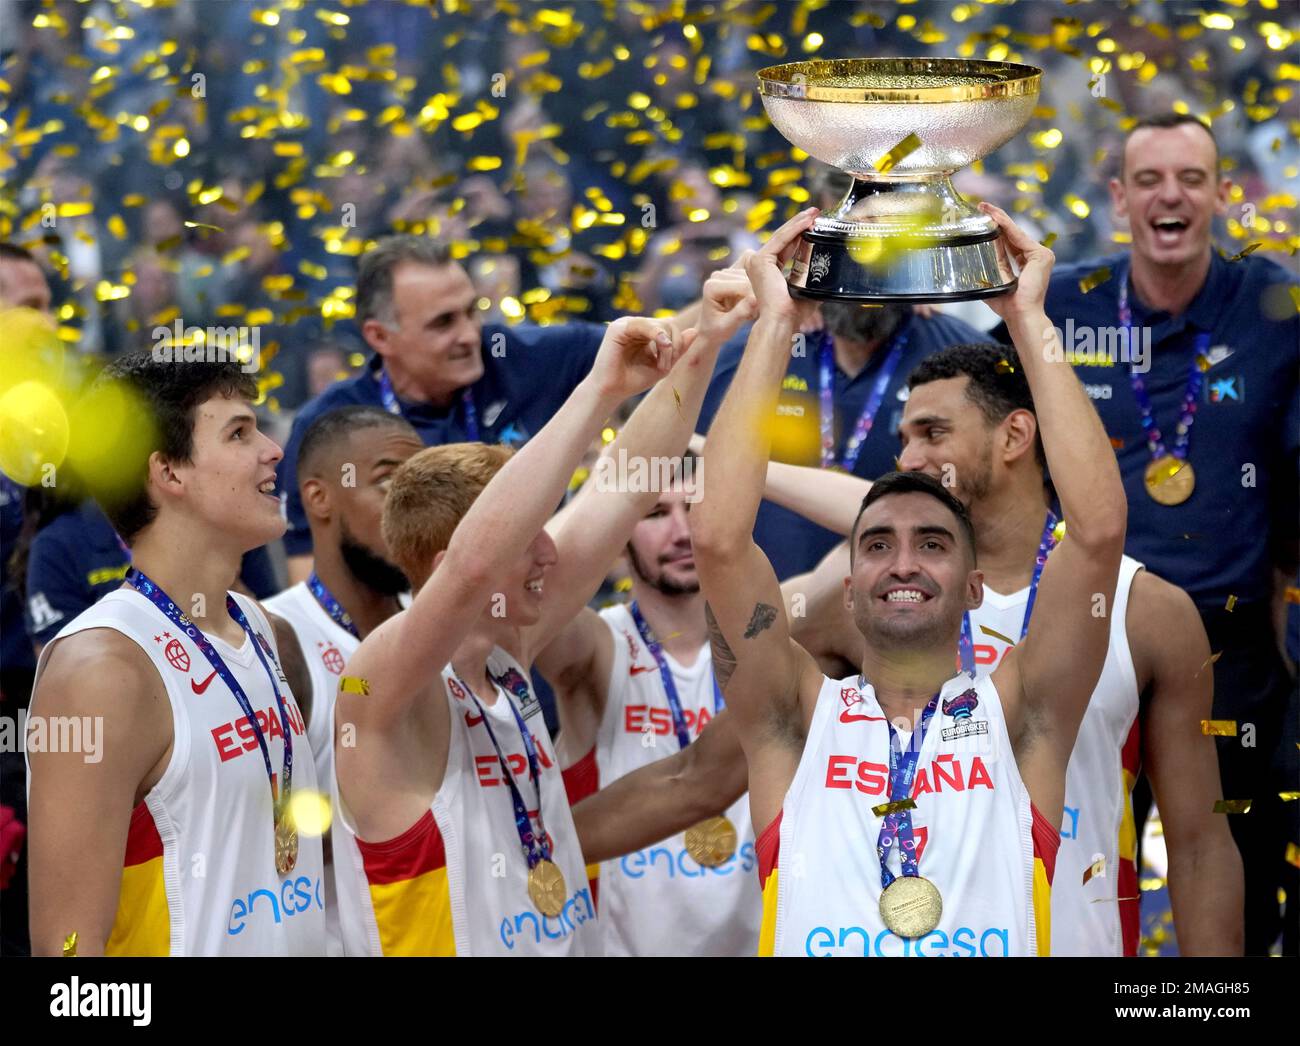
<point>582,778</point>
<point>143,843</point>
<point>417,850</point>
<point>1129,916</point>
<point>1130,756</point>
<point>768,849</point>
<point>1047,840</point>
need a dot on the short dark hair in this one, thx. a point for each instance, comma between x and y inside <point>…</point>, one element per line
<point>893,483</point>
<point>12,252</point>
<point>1166,120</point>
<point>375,271</point>
<point>997,383</point>
<point>169,393</point>
<point>326,431</point>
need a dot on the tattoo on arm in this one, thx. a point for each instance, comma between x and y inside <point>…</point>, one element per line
<point>761,620</point>
<point>724,661</point>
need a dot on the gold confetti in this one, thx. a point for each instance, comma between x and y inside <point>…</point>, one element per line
<point>1292,594</point>
<point>204,225</point>
<point>1219,727</point>
<point>1209,661</point>
<point>898,154</point>
<point>1293,854</point>
<point>1250,248</point>
<point>1096,870</point>
<point>70,945</point>
<point>1232,806</point>
<point>355,685</point>
<point>894,808</point>
<point>1288,797</point>
<point>1004,367</point>
<point>1094,279</point>
<point>997,635</point>
<point>1232,602</point>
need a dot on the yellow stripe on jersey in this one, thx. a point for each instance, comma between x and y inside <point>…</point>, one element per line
<point>1127,829</point>
<point>414,915</point>
<point>142,925</point>
<point>1042,907</point>
<point>767,929</point>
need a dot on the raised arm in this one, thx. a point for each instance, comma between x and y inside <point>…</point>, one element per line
<point>1053,672</point>
<point>81,802</point>
<point>828,498</point>
<point>666,796</point>
<point>399,657</point>
<point>597,524</point>
<point>1205,876</point>
<point>761,670</point>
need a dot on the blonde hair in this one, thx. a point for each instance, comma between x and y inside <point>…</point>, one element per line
<point>429,495</point>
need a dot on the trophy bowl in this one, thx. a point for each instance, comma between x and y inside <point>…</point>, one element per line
<point>900,127</point>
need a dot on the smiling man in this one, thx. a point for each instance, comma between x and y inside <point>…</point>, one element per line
<point>1206,431</point>
<point>180,838</point>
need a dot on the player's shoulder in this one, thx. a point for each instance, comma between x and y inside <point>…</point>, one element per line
<point>1162,620</point>
<point>96,662</point>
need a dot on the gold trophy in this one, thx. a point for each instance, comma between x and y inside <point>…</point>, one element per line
<point>900,127</point>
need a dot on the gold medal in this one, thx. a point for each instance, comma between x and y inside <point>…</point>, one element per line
<point>711,842</point>
<point>546,888</point>
<point>286,844</point>
<point>910,906</point>
<point>1170,481</point>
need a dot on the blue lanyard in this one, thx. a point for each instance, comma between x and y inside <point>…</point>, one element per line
<point>966,645</point>
<point>331,605</point>
<point>902,771</point>
<point>666,674</point>
<point>534,844</point>
<point>164,603</point>
<point>862,429</point>
<point>1187,413</point>
<point>389,399</point>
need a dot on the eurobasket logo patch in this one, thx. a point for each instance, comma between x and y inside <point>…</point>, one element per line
<point>960,708</point>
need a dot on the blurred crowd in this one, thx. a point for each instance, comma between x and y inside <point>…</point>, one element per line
<point>223,162</point>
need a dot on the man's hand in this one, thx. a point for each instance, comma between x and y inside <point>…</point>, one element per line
<point>766,267</point>
<point>1032,259</point>
<point>634,354</point>
<point>727,304</point>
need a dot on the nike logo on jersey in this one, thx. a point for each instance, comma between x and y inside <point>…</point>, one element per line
<point>198,688</point>
<point>636,670</point>
<point>851,697</point>
<point>472,720</point>
<point>850,717</point>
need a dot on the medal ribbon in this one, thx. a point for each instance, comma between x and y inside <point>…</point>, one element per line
<point>536,848</point>
<point>389,399</point>
<point>1183,433</point>
<point>666,674</point>
<point>164,603</point>
<point>331,605</point>
<point>902,771</point>
<point>967,644</point>
<point>867,418</point>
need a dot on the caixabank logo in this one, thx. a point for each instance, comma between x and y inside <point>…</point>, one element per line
<point>960,708</point>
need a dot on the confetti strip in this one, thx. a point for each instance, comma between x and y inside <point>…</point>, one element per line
<point>1209,661</point>
<point>1219,727</point>
<point>1293,854</point>
<point>894,808</point>
<point>1004,367</point>
<point>898,154</point>
<point>997,635</point>
<point>70,945</point>
<point>1232,602</point>
<point>355,685</point>
<point>1094,279</point>
<point>1288,797</point>
<point>1232,806</point>
<point>1096,870</point>
<point>1292,594</point>
<point>1250,248</point>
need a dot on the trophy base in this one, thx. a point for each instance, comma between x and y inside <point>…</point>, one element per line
<point>832,268</point>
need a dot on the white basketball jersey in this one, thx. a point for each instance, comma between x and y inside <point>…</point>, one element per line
<point>456,882</point>
<point>1099,917</point>
<point>978,838</point>
<point>199,874</point>
<point>325,648</point>
<point>659,901</point>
